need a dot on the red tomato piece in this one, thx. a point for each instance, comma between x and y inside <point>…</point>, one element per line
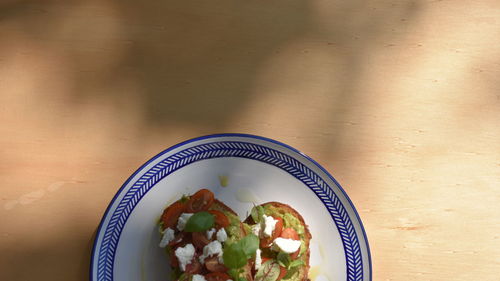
<point>278,228</point>
<point>200,240</point>
<point>213,265</point>
<point>200,201</point>
<point>221,220</point>
<point>217,276</point>
<point>171,214</point>
<point>283,272</point>
<point>194,267</point>
<point>290,233</point>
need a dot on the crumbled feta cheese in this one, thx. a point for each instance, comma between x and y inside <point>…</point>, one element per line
<point>210,233</point>
<point>269,225</point>
<point>213,248</point>
<point>198,277</point>
<point>185,255</point>
<point>258,259</point>
<point>221,235</point>
<point>287,245</point>
<point>256,229</point>
<point>181,223</point>
<point>168,236</point>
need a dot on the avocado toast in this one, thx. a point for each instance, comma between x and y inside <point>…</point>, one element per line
<point>206,240</point>
<point>283,252</point>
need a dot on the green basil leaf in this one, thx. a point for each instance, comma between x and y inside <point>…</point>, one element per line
<point>233,272</point>
<point>249,244</point>
<point>295,263</point>
<point>283,259</point>
<point>184,198</point>
<point>200,221</point>
<point>234,256</point>
<point>291,272</point>
<point>268,271</point>
<point>257,213</point>
<point>260,210</point>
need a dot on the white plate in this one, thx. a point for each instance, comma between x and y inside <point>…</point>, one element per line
<point>257,170</point>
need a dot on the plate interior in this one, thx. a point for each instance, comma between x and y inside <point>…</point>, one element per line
<point>242,171</point>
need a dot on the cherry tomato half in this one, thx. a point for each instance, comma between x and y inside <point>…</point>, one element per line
<point>194,267</point>
<point>213,265</point>
<point>278,228</point>
<point>171,214</point>
<point>266,241</point>
<point>200,201</point>
<point>200,240</point>
<point>290,233</point>
<point>217,276</point>
<point>221,220</point>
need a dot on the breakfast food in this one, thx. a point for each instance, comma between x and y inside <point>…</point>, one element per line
<point>284,243</point>
<point>206,241</point>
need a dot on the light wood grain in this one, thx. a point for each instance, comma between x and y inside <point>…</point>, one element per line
<point>399,100</point>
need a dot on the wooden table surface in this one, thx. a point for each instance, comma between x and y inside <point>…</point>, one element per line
<point>399,100</point>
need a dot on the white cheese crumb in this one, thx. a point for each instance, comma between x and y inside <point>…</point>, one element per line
<point>181,223</point>
<point>210,233</point>
<point>269,225</point>
<point>168,236</point>
<point>213,248</point>
<point>287,245</point>
<point>258,259</point>
<point>256,229</point>
<point>198,277</point>
<point>185,255</point>
<point>221,235</point>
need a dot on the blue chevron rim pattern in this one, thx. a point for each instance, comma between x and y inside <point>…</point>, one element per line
<point>240,149</point>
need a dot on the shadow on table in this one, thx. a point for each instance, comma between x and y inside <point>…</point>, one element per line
<point>191,63</point>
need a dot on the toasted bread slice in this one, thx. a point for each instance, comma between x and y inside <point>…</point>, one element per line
<point>291,219</point>
<point>235,231</point>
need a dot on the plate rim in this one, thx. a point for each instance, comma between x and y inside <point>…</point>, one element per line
<point>222,135</point>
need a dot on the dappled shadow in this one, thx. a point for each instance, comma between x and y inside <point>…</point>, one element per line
<point>181,64</point>
<point>195,62</point>
<point>65,256</point>
<point>185,62</point>
<point>356,32</point>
